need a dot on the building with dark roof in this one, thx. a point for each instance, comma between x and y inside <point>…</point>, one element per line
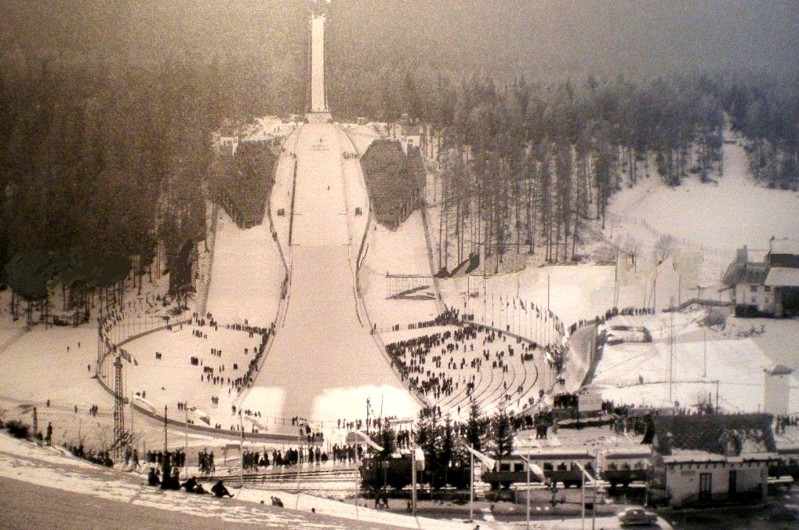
<point>712,459</point>
<point>765,288</point>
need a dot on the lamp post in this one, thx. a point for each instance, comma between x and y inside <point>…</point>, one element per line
<point>583,474</point>
<point>185,439</point>
<point>527,461</point>
<point>413,479</point>
<point>471,486</point>
<point>300,425</point>
<point>704,347</point>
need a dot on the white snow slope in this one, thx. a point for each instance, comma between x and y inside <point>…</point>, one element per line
<point>324,363</point>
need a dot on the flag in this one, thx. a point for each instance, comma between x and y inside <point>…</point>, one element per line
<point>202,416</point>
<point>369,441</point>
<point>257,422</point>
<point>521,303</point>
<point>418,456</point>
<point>486,460</point>
<point>536,470</point>
<point>141,401</point>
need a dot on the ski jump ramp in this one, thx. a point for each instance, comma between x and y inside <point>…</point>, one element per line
<point>324,363</point>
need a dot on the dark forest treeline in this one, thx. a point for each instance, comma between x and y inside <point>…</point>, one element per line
<point>103,159</point>
<point>105,141</point>
<point>109,155</point>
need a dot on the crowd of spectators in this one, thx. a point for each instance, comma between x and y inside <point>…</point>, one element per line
<point>442,363</point>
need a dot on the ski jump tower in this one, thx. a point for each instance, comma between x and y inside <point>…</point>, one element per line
<point>318,111</point>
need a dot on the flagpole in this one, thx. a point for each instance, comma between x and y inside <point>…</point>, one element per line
<point>527,461</point>
<point>582,497</point>
<point>471,487</point>
<point>413,479</point>
<point>165,435</point>
<point>186,440</point>
<point>241,449</point>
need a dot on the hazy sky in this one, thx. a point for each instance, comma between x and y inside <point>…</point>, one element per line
<point>547,37</point>
<point>643,36</point>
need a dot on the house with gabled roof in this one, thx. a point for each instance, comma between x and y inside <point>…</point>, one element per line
<point>712,459</point>
<point>765,288</point>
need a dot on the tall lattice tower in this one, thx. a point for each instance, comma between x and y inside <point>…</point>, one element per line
<point>119,402</point>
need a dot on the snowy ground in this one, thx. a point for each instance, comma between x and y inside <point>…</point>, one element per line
<point>638,373</point>
<point>54,468</point>
<point>36,366</point>
<point>706,222</point>
<point>246,274</point>
<point>402,252</point>
<point>324,363</point>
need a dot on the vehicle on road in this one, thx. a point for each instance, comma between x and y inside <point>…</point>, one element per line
<point>637,516</point>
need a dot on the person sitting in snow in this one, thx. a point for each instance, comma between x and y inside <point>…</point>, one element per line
<point>192,486</point>
<point>219,490</point>
<point>152,478</point>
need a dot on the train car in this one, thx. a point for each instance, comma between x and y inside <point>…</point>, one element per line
<point>623,466</point>
<point>396,473</point>
<point>787,466</point>
<point>558,465</point>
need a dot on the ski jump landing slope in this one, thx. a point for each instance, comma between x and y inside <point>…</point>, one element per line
<point>324,363</point>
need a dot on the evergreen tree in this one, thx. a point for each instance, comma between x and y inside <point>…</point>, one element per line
<point>502,435</point>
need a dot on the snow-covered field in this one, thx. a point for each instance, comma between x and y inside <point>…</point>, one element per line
<point>246,275</point>
<point>707,223</point>
<point>52,467</point>
<point>324,363</point>
<point>637,373</point>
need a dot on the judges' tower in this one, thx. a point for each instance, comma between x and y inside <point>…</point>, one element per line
<point>318,110</point>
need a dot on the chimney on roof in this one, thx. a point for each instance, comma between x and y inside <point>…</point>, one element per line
<point>742,255</point>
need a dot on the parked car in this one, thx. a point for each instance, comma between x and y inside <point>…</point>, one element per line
<point>636,516</point>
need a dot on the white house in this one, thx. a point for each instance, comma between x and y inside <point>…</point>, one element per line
<point>712,459</point>
<point>765,288</point>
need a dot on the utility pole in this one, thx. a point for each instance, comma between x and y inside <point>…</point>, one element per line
<point>165,435</point>
<point>671,353</point>
<point>704,347</point>
<point>471,486</point>
<point>413,479</point>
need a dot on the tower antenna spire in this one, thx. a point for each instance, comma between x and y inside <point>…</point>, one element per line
<point>317,108</point>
